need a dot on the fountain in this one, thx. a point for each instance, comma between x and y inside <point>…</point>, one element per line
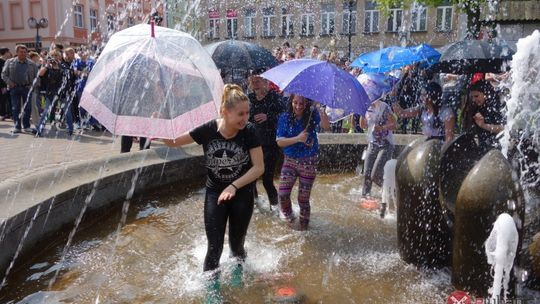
<point>474,187</point>
<point>96,249</point>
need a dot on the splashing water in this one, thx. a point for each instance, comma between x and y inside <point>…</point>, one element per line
<point>501,247</point>
<point>524,103</point>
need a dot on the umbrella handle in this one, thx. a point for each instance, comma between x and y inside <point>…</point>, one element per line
<point>152,33</point>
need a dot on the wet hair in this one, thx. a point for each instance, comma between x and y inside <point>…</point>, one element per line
<point>252,76</point>
<point>232,95</point>
<point>306,115</point>
<point>434,93</point>
<point>483,86</point>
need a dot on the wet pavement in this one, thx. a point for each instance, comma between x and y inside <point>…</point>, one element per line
<point>22,154</point>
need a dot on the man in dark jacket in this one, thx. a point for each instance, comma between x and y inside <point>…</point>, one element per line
<point>265,108</point>
<point>19,73</point>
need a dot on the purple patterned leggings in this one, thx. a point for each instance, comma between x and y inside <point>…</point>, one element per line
<point>305,168</point>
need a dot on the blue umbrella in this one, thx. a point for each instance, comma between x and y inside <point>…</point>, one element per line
<point>376,84</point>
<point>386,59</point>
<point>321,81</point>
<point>427,53</point>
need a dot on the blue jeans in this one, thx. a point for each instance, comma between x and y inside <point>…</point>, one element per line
<point>19,94</point>
<point>376,158</point>
<point>49,101</point>
<point>85,118</point>
<point>68,115</point>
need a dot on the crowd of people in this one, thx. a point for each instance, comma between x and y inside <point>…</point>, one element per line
<point>259,123</point>
<point>46,87</point>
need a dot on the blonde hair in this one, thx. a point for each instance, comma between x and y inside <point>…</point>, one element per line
<point>232,95</point>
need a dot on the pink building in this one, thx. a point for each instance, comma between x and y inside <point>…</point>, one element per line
<point>71,23</point>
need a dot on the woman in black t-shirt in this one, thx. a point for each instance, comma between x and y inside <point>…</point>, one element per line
<point>234,160</point>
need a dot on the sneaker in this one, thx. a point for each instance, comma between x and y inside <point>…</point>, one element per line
<point>289,219</point>
<point>382,210</point>
<point>16,131</point>
<point>30,130</point>
<point>213,292</point>
<point>237,276</point>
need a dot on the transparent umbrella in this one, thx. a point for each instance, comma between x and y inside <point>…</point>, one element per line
<point>158,85</point>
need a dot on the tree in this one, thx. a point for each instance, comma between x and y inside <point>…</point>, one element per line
<point>470,7</point>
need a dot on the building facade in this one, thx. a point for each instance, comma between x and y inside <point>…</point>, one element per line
<point>327,23</point>
<point>70,23</point>
<point>510,20</point>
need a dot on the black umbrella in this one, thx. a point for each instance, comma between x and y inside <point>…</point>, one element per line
<point>233,54</point>
<point>473,56</point>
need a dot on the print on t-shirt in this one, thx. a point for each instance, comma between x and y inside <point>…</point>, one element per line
<point>225,159</point>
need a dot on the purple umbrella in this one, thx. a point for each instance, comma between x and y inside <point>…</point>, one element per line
<point>376,84</point>
<point>322,82</point>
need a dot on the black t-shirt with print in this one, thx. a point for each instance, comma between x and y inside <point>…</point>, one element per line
<point>225,159</point>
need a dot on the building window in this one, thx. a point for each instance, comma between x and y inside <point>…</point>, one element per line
<point>93,19</point>
<point>268,19</point>
<point>308,24</point>
<point>371,18</point>
<point>110,23</point>
<point>130,21</point>
<point>286,23</point>
<point>328,19</point>
<point>346,12</point>
<point>78,12</point>
<point>444,18</point>
<point>249,23</point>
<point>419,18</point>
<point>395,19</point>
<point>16,12</point>
<point>213,28</point>
<point>232,24</point>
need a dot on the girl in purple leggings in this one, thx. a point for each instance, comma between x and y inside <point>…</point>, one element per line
<point>296,134</point>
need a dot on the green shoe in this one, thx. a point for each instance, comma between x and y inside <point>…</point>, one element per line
<point>213,292</point>
<point>237,277</point>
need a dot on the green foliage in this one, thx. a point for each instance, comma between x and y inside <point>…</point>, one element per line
<point>470,7</point>
<point>466,5</point>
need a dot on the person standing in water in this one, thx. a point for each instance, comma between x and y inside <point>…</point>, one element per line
<point>297,136</point>
<point>438,120</point>
<point>234,160</point>
<point>380,124</point>
<point>265,108</point>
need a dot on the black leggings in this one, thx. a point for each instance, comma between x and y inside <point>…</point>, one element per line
<point>238,211</point>
<point>270,155</point>
<point>127,142</point>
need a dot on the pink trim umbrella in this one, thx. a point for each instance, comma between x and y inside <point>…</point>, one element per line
<point>156,87</point>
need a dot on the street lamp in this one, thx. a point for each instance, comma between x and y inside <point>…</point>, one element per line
<point>350,21</point>
<point>37,24</point>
